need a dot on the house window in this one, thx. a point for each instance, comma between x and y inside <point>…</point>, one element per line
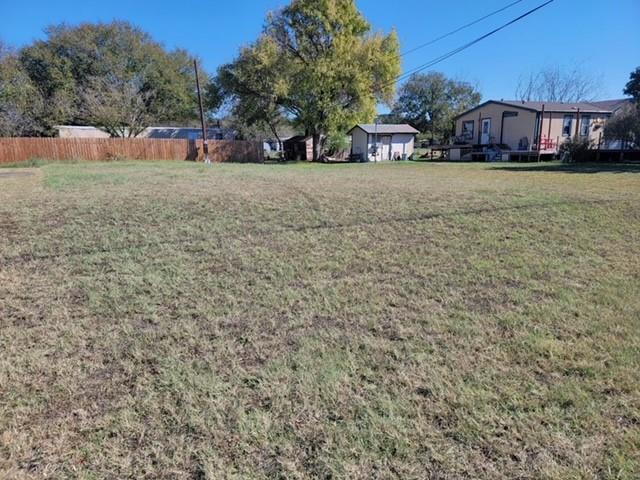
<point>467,130</point>
<point>585,125</point>
<point>566,125</point>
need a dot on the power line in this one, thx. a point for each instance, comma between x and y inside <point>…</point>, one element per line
<point>447,55</point>
<point>442,37</point>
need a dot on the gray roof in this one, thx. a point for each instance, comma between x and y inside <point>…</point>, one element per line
<point>604,107</point>
<point>385,128</point>
<point>569,107</point>
<point>613,105</point>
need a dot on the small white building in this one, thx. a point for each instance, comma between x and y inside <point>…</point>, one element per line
<point>393,142</point>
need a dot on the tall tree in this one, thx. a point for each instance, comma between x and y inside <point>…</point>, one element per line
<point>555,84</point>
<point>430,101</point>
<point>326,70</point>
<point>72,61</point>
<point>624,126</point>
<point>116,105</point>
<point>20,102</point>
<point>254,87</point>
<point>633,86</point>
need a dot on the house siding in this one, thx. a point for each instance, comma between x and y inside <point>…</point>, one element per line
<point>524,125</point>
<point>515,128</point>
<point>359,142</point>
<point>557,120</point>
<point>401,144</point>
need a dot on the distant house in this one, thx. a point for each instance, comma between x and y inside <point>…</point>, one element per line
<point>73,131</point>
<point>383,142</point>
<point>520,125</point>
<point>186,133</point>
<point>299,147</point>
<point>272,145</point>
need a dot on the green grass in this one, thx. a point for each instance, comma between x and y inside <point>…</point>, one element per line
<point>405,320</point>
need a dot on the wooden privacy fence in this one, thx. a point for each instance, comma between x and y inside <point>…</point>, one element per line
<point>22,149</point>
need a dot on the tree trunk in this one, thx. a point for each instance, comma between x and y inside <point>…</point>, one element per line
<point>280,146</point>
<point>318,146</point>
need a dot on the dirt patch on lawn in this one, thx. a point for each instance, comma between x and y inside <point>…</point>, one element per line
<point>7,224</point>
<point>13,174</point>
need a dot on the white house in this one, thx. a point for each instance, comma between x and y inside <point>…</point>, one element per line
<point>394,142</point>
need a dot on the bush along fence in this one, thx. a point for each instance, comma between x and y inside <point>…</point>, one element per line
<point>100,149</point>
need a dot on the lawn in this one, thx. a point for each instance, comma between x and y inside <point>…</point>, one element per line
<point>406,320</point>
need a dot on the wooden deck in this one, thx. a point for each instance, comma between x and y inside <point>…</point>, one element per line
<point>479,153</point>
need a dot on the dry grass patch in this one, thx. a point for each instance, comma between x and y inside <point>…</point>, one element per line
<point>309,321</point>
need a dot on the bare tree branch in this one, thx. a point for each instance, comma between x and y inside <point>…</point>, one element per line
<point>117,106</point>
<point>554,84</point>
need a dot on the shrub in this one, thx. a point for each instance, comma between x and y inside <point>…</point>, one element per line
<point>576,150</point>
<point>337,143</point>
<point>625,126</point>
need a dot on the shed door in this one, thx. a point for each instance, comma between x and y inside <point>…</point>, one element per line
<point>386,147</point>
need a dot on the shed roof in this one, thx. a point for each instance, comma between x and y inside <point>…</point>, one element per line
<point>385,128</point>
<point>297,138</point>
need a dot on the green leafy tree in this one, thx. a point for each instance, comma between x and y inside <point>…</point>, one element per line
<point>624,126</point>
<point>20,101</point>
<point>326,70</point>
<point>337,143</point>
<point>255,89</point>
<point>633,86</point>
<point>73,61</point>
<point>430,101</point>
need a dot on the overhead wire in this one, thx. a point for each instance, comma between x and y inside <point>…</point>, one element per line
<point>467,45</point>
<point>459,29</point>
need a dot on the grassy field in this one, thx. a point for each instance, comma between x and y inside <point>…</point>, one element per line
<point>407,320</point>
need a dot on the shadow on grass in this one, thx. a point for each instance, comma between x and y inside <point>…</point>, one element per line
<point>575,168</point>
<point>307,162</point>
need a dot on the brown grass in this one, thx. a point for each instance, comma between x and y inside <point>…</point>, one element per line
<point>308,321</point>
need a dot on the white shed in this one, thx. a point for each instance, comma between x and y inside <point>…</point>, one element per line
<point>394,142</point>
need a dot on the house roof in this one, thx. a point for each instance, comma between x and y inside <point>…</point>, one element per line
<point>568,107</point>
<point>605,106</point>
<point>613,105</point>
<point>385,128</point>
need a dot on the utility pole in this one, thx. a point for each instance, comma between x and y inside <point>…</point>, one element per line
<point>375,150</point>
<point>205,143</point>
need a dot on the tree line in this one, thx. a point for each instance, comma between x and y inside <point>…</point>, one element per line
<point>317,67</point>
<point>111,75</point>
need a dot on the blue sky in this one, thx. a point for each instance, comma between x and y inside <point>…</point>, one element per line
<point>600,37</point>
